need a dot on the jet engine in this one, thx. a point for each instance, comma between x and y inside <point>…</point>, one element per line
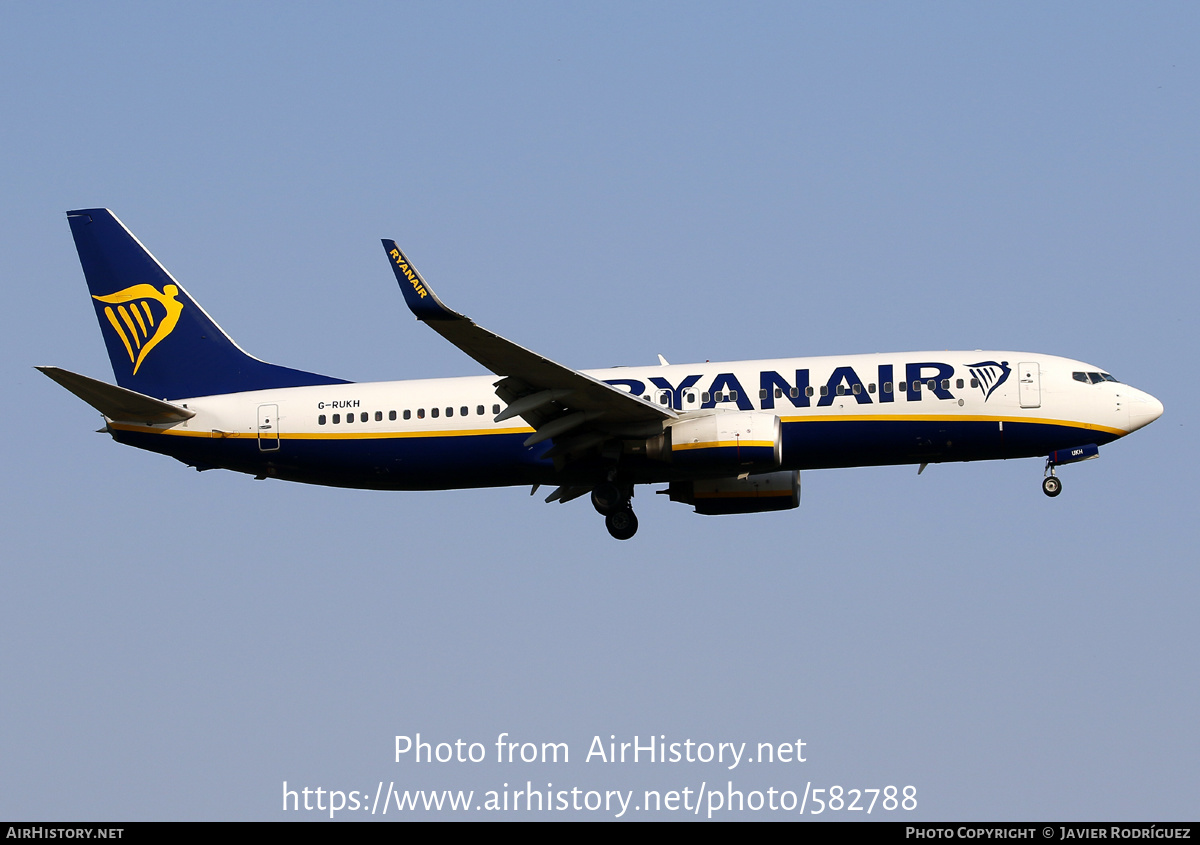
<point>768,491</point>
<point>725,440</point>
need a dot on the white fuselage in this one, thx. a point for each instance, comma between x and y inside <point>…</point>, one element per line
<point>849,410</point>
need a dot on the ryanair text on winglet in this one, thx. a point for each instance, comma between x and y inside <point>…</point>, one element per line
<point>408,273</point>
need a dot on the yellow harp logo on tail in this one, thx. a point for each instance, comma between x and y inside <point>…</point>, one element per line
<point>135,321</point>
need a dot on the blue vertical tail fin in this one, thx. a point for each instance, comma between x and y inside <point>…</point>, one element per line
<point>160,341</point>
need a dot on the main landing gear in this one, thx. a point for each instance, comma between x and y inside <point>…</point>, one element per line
<point>612,501</point>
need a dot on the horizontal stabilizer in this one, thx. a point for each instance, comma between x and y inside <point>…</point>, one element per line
<point>117,403</point>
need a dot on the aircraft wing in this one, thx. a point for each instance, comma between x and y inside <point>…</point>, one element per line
<point>552,398</point>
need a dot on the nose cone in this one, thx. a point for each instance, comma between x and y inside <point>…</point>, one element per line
<point>1143,410</point>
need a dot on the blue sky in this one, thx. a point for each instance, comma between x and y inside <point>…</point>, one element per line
<point>604,183</point>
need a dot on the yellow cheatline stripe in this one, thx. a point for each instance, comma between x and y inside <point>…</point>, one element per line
<point>721,444</point>
<point>366,435</point>
<point>473,432</point>
<point>952,418</point>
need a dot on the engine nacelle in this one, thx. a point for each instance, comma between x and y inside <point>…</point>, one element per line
<point>726,439</point>
<point>768,491</point>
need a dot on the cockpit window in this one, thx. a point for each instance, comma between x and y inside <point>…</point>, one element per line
<point>1093,378</point>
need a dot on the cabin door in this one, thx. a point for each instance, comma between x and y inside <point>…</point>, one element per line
<point>1029,384</point>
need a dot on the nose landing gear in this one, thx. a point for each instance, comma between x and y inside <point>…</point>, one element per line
<point>1051,485</point>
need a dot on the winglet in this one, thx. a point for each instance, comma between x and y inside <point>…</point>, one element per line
<point>421,299</point>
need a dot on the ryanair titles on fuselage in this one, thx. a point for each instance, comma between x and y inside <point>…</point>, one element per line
<point>916,379</point>
<point>866,383</point>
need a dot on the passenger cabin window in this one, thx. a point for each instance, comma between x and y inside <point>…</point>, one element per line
<point>391,415</point>
<point>321,420</point>
<point>794,392</point>
<point>337,418</point>
<point>407,414</point>
<point>887,387</point>
<point>479,410</point>
<point>959,384</point>
<point>495,409</point>
<point>871,387</point>
<point>420,413</point>
<point>434,412</point>
<point>463,411</point>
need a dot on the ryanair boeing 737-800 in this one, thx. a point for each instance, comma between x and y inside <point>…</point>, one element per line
<point>725,438</point>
